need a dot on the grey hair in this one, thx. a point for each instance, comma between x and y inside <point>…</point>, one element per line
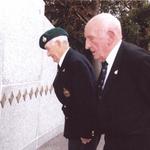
<point>60,38</point>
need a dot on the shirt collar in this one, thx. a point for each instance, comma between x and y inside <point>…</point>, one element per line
<point>111,57</point>
<point>63,57</point>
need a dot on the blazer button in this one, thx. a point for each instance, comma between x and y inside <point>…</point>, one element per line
<point>66,118</point>
<point>93,133</point>
<point>99,97</point>
<point>99,86</point>
<point>65,106</point>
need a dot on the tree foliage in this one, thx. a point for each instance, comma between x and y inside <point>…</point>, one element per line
<point>72,15</point>
<point>135,19</point>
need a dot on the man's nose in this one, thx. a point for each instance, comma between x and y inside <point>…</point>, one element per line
<point>87,45</point>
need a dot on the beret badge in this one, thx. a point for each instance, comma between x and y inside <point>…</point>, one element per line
<point>44,39</point>
<point>50,34</point>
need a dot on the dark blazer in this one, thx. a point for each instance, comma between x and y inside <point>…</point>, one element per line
<point>124,108</point>
<point>75,88</point>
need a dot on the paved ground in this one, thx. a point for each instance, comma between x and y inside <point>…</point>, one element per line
<point>60,143</point>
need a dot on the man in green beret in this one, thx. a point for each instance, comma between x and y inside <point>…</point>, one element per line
<point>74,86</point>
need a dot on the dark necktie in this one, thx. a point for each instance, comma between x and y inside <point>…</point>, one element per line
<point>101,78</point>
<point>58,67</point>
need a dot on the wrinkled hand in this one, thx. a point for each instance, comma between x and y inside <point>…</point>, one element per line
<point>85,140</point>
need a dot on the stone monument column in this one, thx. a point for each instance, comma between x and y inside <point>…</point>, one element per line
<point>28,105</point>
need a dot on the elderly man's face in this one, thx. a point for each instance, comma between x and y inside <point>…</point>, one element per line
<point>53,50</point>
<point>96,41</point>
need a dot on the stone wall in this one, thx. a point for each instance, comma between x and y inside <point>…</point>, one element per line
<point>30,113</point>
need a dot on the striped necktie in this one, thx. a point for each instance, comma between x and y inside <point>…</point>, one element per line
<point>101,78</point>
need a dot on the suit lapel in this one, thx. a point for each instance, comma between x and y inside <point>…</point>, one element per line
<point>63,66</point>
<point>65,61</point>
<point>115,70</point>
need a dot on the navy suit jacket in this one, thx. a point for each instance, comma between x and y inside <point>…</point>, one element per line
<point>75,88</point>
<point>124,108</point>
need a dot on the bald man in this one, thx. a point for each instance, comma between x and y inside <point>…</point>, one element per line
<point>124,103</point>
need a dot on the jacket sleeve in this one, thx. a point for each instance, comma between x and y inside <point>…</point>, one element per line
<point>144,78</point>
<point>84,93</point>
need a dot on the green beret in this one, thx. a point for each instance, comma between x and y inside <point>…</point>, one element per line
<point>50,34</point>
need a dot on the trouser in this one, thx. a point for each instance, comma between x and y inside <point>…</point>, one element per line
<point>76,144</point>
<point>130,142</point>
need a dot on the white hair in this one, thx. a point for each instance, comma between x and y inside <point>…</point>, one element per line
<point>61,38</point>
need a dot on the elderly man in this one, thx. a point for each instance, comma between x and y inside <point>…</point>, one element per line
<point>123,86</point>
<point>75,88</point>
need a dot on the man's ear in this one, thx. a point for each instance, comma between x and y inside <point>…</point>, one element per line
<point>111,36</point>
<point>58,43</point>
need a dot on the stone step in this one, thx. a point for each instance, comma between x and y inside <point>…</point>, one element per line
<point>60,143</point>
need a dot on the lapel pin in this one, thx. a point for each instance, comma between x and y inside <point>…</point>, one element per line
<point>63,70</point>
<point>116,72</point>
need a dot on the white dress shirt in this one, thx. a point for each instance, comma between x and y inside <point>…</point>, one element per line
<point>110,59</point>
<point>63,57</point>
